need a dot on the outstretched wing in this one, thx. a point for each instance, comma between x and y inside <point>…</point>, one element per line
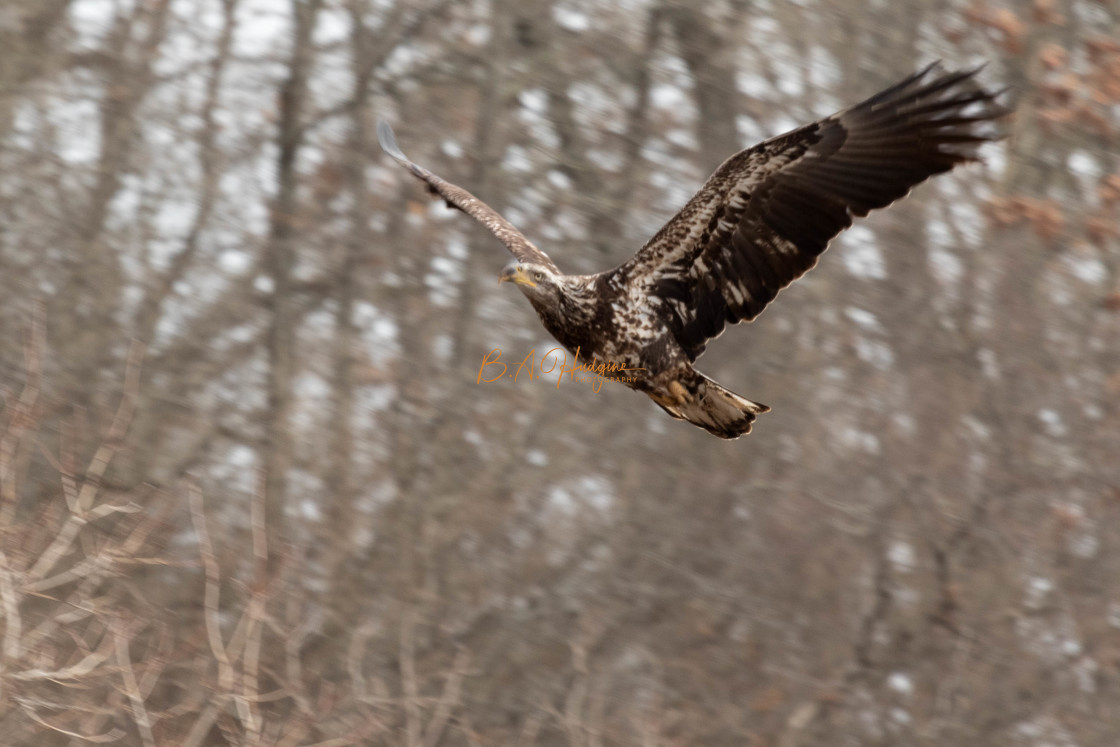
<point>766,214</point>
<point>457,197</point>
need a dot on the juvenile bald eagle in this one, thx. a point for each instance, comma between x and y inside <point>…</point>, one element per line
<point>758,223</point>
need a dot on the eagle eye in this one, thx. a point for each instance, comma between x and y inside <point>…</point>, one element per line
<point>538,276</point>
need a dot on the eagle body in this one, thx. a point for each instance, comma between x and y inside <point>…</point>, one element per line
<point>611,324</point>
<point>759,222</point>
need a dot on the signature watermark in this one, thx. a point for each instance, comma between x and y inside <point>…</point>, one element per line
<point>555,361</point>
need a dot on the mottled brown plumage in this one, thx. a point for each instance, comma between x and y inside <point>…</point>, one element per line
<point>758,223</point>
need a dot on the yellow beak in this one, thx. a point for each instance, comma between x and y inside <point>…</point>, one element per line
<point>516,274</point>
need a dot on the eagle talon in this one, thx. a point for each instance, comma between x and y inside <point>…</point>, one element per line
<point>680,393</point>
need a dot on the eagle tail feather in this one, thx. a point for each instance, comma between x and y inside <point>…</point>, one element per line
<point>717,410</point>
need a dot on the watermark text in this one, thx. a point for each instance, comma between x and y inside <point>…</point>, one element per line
<point>555,362</point>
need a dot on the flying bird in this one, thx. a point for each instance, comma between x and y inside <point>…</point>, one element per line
<point>756,225</point>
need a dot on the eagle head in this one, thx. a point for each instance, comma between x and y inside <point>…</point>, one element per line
<point>564,303</point>
<point>537,282</point>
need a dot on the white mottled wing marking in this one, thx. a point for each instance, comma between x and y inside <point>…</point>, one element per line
<point>766,214</point>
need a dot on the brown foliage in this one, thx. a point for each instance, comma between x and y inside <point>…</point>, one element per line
<point>1053,56</point>
<point>1044,216</point>
<point>1008,28</point>
<point>1109,190</point>
<point>1046,12</point>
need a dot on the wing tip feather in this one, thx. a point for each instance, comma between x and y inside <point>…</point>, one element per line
<point>388,141</point>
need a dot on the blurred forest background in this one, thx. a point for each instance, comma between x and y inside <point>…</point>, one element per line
<point>252,493</point>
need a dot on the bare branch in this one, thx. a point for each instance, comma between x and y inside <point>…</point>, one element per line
<point>88,665</point>
<point>82,512</point>
<point>532,727</point>
<point>200,730</point>
<point>212,590</point>
<point>139,712</point>
<point>413,725</point>
<point>117,430</point>
<point>13,622</point>
<point>450,698</point>
<point>113,735</point>
<point>22,418</point>
<point>355,652</point>
<point>247,701</point>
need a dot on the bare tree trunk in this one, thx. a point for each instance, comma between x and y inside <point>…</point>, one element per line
<point>605,202</point>
<point>706,53</point>
<point>86,326</point>
<point>340,492</point>
<point>279,265</point>
<point>25,48</point>
<point>209,162</point>
<point>149,434</point>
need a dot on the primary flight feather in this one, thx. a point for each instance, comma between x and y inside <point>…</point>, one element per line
<point>758,223</point>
